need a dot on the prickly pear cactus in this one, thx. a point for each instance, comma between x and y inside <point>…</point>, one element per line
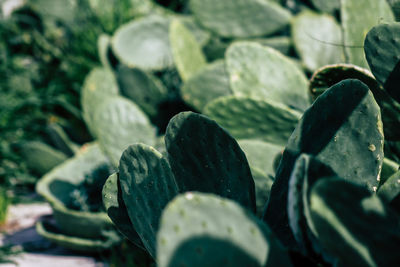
<point>354,226</point>
<point>382,49</point>
<point>356,27</point>
<point>120,123</point>
<point>240,18</point>
<point>328,76</point>
<point>143,88</point>
<point>99,84</point>
<point>206,230</point>
<point>147,185</point>
<point>144,43</point>
<point>252,118</point>
<point>187,53</point>
<point>205,158</point>
<point>317,39</point>
<point>346,137</point>
<point>208,84</point>
<point>117,211</point>
<point>263,72</point>
<point>306,172</point>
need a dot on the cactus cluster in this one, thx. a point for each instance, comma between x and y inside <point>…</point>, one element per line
<point>264,167</point>
<point>331,200</point>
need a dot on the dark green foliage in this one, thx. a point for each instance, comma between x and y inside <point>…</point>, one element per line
<point>337,135</point>
<point>205,158</point>
<point>117,211</point>
<point>205,230</point>
<point>339,212</point>
<point>147,185</point>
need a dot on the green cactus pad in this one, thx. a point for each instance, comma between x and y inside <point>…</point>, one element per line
<point>146,90</point>
<point>99,84</point>
<point>117,211</point>
<point>202,35</point>
<point>353,225</point>
<point>103,44</point>
<point>120,123</point>
<point>328,76</point>
<point>263,184</point>
<point>326,6</point>
<point>49,231</point>
<point>317,39</point>
<point>188,56</point>
<point>205,230</point>
<point>147,186</point>
<point>144,43</point>
<point>390,191</point>
<point>306,171</point>
<point>356,27</point>
<point>261,155</point>
<point>250,118</point>
<point>342,129</point>
<point>41,157</point>
<point>208,84</point>
<point>263,72</point>
<point>205,158</point>
<point>240,18</point>
<point>382,49</point>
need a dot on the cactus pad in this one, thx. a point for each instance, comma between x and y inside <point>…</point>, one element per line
<point>117,211</point>
<point>146,90</point>
<point>208,84</point>
<point>205,158</point>
<point>356,27</point>
<point>352,145</point>
<point>144,43</point>
<point>328,76</point>
<point>240,18</point>
<point>99,84</point>
<point>250,118</point>
<point>317,39</point>
<point>205,230</point>
<point>187,53</point>
<point>147,186</point>
<point>120,123</point>
<point>265,73</point>
<point>353,225</point>
<point>261,155</point>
